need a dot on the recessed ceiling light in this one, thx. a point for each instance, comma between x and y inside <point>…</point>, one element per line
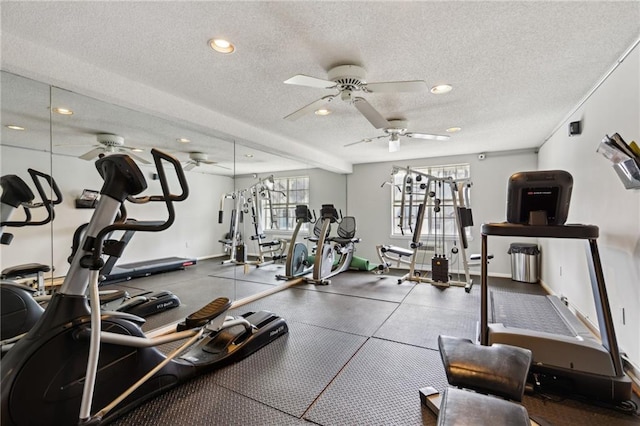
<point>249,155</point>
<point>323,111</point>
<point>183,140</point>
<point>453,129</point>
<point>221,45</point>
<point>441,89</point>
<point>63,111</point>
<point>14,127</point>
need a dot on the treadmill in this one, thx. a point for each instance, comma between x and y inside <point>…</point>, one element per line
<point>112,273</point>
<point>575,361</point>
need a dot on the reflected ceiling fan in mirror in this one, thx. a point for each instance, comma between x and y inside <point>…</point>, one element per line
<point>197,158</point>
<point>348,80</point>
<point>397,129</point>
<point>109,143</point>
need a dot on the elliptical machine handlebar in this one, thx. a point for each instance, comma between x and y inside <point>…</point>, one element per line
<point>123,179</point>
<point>21,195</point>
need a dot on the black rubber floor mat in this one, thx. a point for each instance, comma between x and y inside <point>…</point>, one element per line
<point>365,284</point>
<point>334,311</point>
<point>202,402</point>
<point>292,371</point>
<point>451,297</point>
<point>421,325</point>
<point>379,386</point>
<point>526,311</point>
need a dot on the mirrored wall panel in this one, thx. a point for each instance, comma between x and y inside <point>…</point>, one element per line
<point>25,144</point>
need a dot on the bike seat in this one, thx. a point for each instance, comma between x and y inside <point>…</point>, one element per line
<point>24,270</point>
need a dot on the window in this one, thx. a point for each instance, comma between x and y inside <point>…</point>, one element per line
<point>280,212</point>
<point>438,195</point>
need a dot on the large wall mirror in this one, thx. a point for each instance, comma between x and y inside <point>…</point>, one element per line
<point>25,144</point>
<point>65,132</point>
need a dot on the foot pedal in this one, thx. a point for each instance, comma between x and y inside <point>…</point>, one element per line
<point>205,314</point>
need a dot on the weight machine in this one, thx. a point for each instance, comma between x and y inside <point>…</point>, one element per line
<point>248,201</point>
<point>434,189</point>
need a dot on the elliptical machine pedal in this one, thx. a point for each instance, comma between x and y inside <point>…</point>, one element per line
<point>207,313</point>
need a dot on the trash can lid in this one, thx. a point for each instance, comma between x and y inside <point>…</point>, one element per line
<point>525,248</point>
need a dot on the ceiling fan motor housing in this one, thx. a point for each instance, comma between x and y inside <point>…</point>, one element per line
<point>348,77</point>
<point>109,139</point>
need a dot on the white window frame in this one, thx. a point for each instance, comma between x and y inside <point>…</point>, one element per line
<point>287,203</point>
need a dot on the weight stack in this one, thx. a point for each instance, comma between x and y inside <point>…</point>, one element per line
<point>440,269</point>
<point>241,253</point>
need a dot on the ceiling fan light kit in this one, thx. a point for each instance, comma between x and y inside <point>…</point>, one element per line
<point>350,79</point>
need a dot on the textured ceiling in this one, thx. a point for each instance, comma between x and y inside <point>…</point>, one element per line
<point>517,68</point>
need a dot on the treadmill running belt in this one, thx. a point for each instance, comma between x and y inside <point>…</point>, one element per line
<point>527,311</point>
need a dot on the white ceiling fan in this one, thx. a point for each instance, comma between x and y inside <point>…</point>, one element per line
<point>396,129</point>
<point>348,80</point>
<point>110,143</point>
<point>197,158</point>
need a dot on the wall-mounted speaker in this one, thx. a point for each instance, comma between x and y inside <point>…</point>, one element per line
<point>575,128</point>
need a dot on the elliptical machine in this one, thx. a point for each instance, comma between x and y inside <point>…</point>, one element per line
<point>20,305</point>
<point>80,365</point>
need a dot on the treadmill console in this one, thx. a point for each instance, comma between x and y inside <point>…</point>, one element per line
<point>539,197</point>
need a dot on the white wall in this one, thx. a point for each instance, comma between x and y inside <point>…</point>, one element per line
<point>599,198</point>
<point>371,204</point>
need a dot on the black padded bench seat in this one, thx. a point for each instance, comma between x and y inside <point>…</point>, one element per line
<point>271,243</point>
<point>462,408</point>
<point>497,369</point>
<point>24,270</point>
<point>397,250</point>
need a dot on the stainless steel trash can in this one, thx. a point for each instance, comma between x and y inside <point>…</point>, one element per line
<point>525,262</point>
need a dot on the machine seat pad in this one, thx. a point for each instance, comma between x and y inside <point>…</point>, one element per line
<point>24,270</point>
<point>477,256</point>
<point>227,242</point>
<point>271,243</point>
<point>397,250</point>
<point>344,241</point>
<point>497,369</point>
<point>462,408</point>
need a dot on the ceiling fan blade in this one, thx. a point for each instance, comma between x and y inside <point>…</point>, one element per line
<point>427,136</point>
<point>309,108</point>
<point>397,86</point>
<point>91,154</point>
<point>222,167</point>
<point>189,166</point>
<point>207,162</point>
<point>366,140</point>
<point>305,80</point>
<point>371,114</point>
<point>138,158</point>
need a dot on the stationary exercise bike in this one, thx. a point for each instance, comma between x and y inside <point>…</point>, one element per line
<point>78,364</point>
<point>20,305</point>
<point>297,260</point>
<point>324,264</point>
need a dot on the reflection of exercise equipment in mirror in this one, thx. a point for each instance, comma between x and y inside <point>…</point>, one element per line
<point>425,194</point>
<point>249,202</point>
<point>297,261</point>
<point>20,301</point>
<point>556,355</point>
<point>94,366</point>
